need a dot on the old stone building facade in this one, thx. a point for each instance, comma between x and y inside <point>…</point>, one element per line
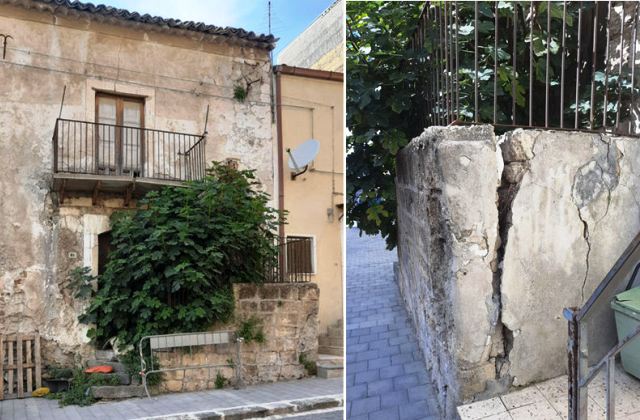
<point>61,180</point>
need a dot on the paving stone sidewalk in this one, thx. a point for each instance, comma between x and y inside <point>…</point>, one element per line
<point>172,404</point>
<point>386,374</point>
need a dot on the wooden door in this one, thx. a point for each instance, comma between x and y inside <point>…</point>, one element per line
<point>119,134</point>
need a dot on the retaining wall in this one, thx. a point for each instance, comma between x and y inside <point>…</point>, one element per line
<point>497,236</point>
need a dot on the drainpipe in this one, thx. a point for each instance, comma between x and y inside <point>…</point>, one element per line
<point>281,232</point>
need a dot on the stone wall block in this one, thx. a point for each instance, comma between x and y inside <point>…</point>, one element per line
<point>268,292</point>
<point>289,293</point>
<point>268,305</point>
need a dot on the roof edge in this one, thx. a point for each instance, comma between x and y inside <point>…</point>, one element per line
<point>310,73</point>
<point>125,17</point>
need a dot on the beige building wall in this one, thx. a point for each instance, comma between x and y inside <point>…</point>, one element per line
<point>313,108</point>
<point>178,72</point>
<point>321,46</point>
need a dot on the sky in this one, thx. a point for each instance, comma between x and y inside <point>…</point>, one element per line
<point>289,18</point>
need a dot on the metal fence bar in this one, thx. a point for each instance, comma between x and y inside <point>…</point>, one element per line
<point>606,69</point>
<point>575,123</point>
<point>619,103</point>
<point>593,66</point>
<point>633,53</point>
<point>495,65</point>
<point>447,62</point>
<point>475,52</point>
<point>455,5</point>
<point>546,94</point>
<point>459,37</point>
<point>564,53</point>
<point>531,13</point>
<point>515,66</point>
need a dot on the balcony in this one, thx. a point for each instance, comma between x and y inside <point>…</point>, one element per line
<point>99,158</point>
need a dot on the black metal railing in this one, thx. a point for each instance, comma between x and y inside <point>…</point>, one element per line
<point>593,344</point>
<point>82,147</point>
<point>293,262</point>
<point>568,65</point>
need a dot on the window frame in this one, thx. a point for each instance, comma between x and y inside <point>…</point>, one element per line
<point>119,98</point>
<point>314,265</point>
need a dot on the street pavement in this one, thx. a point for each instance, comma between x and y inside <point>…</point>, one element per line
<point>178,404</point>
<point>386,372</point>
<point>330,414</point>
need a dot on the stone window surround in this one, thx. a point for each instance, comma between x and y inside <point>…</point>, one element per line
<point>92,226</point>
<point>94,86</point>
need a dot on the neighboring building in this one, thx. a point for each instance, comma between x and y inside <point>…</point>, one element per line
<point>310,105</point>
<point>62,178</point>
<point>322,45</point>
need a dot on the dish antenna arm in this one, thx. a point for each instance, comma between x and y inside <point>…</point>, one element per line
<point>298,171</point>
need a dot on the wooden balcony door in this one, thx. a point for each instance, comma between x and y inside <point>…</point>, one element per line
<point>119,138</point>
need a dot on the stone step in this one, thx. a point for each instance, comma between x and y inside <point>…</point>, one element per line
<point>329,341</point>
<point>117,392</point>
<point>117,366</point>
<point>332,350</point>
<point>330,368</point>
<point>123,378</point>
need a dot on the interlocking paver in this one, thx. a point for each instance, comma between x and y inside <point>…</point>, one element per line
<point>172,404</point>
<point>382,351</point>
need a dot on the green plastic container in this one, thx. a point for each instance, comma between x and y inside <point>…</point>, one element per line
<point>626,307</point>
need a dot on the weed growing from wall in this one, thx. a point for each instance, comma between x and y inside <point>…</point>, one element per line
<point>251,330</point>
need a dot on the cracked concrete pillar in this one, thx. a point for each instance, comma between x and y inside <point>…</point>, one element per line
<point>489,256</point>
<point>447,182</point>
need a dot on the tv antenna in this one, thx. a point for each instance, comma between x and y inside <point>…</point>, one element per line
<point>302,156</point>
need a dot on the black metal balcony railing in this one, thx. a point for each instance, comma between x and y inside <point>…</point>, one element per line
<point>554,64</point>
<point>293,262</point>
<point>82,147</point>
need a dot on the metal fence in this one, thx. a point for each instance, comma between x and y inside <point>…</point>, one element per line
<point>293,262</point>
<point>568,65</point>
<point>82,147</point>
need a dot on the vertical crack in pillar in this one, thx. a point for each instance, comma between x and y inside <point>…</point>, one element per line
<point>514,169</point>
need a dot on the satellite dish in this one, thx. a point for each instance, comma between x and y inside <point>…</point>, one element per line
<point>302,156</point>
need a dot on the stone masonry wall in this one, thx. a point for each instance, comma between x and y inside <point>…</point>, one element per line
<point>289,316</point>
<point>492,246</point>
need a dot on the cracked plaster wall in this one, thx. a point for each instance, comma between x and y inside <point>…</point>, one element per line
<point>177,74</point>
<point>497,237</point>
<point>447,182</point>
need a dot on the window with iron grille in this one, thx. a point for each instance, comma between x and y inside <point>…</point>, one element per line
<point>301,254</point>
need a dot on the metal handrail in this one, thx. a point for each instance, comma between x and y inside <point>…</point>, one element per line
<point>580,373</point>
